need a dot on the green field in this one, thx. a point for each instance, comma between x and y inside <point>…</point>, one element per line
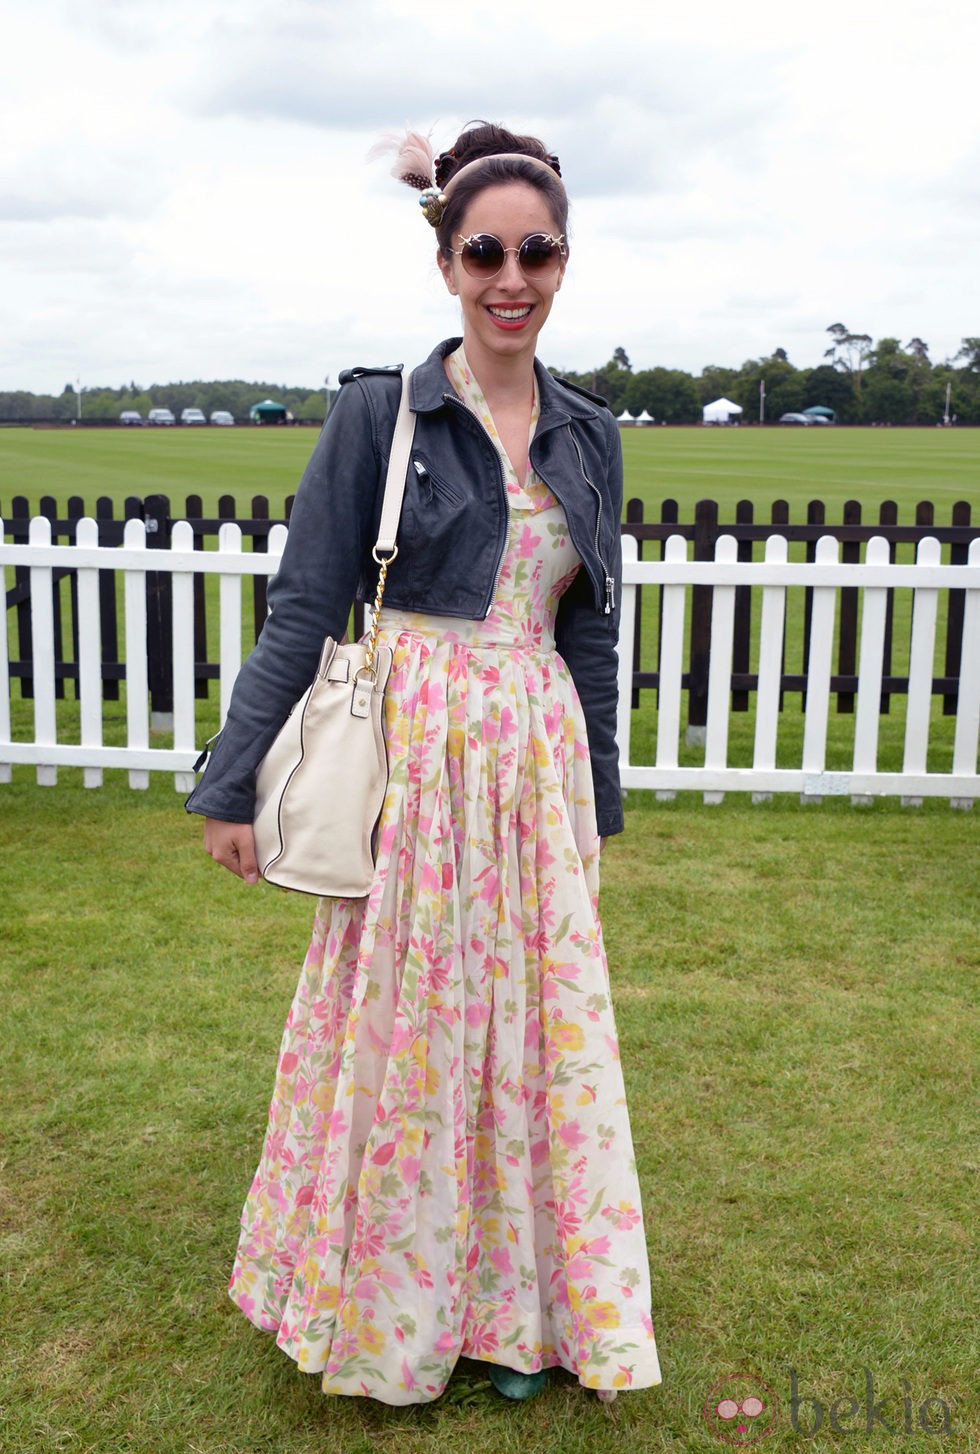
<point>798,465</point>
<point>727,465</point>
<point>795,992</point>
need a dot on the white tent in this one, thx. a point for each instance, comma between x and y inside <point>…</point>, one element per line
<point>720,412</point>
<point>644,418</point>
<point>625,418</point>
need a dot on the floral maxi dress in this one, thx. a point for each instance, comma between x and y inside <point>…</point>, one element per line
<point>448,1169</point>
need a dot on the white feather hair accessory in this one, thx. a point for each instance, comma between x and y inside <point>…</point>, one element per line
<point>415,166</point>
<point>414,163</point>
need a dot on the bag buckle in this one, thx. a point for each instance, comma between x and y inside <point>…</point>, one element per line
<point>360,702</point>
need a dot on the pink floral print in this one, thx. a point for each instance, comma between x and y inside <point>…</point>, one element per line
<point>448,1169</point>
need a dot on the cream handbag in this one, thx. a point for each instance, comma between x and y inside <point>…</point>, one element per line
<point>321,785</point>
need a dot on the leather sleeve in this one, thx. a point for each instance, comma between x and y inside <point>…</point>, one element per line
<point>310,597</point>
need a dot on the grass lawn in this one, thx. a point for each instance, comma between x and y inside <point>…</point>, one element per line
<point>727,465</point>
<point>799,465</point>
<point>175,462</point>
<point>794,990</point>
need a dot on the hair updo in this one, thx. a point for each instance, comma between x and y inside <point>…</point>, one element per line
<point>481,139</point>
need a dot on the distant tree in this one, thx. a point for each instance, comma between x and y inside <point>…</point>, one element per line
<point>897,383</point>
<point>784,386</point>
<point>609,382</point>
<point>824,385</point>
<point>312,407</point>
<point>888,353</point>
<point>716,382</point>
<point>919,377</point>
<point>887,396</point>
<point>16,404</point>
<point>970,351</point>
<point>100,404</point>
<point>848,351</point>
<point>668,394</point>
<point>932,400</point>
<point>621,359</point>
<point>885,400</point>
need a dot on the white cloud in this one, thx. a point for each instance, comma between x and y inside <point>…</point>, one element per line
<point>183,190</point>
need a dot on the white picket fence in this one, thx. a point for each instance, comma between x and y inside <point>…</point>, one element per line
<point>133,559</point>
<point>826,575</point>
<point>775,575</point>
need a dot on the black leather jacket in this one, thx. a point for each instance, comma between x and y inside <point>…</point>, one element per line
<point>451,541</point>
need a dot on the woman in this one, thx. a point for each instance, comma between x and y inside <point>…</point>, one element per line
<point>448,1168</point>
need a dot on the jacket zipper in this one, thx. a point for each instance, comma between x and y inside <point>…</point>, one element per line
<point>610,580</point>
<point>206,752</point>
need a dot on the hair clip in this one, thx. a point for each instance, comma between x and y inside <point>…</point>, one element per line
<point>433,203</point>
<point>444,164</point>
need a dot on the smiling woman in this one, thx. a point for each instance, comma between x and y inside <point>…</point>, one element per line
<point>448,1169</point>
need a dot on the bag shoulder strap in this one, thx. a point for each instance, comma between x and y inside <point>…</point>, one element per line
<point>401,449</point>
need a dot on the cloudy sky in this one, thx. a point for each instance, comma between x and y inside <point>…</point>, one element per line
<point>184,191</point>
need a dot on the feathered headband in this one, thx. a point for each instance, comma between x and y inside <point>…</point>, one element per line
<point>433,176</point>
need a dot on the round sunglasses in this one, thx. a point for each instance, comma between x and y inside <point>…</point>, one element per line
<point>483,255</point>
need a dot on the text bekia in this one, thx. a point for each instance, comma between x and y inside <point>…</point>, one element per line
<point>892,1414</point>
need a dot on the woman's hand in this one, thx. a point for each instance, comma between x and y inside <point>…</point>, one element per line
<point>233,846</point>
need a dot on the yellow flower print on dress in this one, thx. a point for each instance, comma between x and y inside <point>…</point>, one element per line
<point>568,1038</point>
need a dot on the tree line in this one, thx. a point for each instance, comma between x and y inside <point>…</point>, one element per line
<point>106,404</point>
<point>862,381</point>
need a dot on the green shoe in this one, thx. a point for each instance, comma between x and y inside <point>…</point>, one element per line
<point>517,1385</point>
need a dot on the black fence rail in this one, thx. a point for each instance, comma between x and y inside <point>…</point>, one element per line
<point>853,533</point>
<point>155,510</point>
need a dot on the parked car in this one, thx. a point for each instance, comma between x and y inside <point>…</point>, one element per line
<point>130,416</point>
<point>221,416</point>
<point>160,416</point>
<point>192,416</point>
<point>794,419</point>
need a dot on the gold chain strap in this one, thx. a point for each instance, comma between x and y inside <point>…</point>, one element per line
<point>372,643</point>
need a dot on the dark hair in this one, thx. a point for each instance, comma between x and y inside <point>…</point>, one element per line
<point>483,139</point>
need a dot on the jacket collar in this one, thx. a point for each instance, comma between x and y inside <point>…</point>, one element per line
<point>557,404</point>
